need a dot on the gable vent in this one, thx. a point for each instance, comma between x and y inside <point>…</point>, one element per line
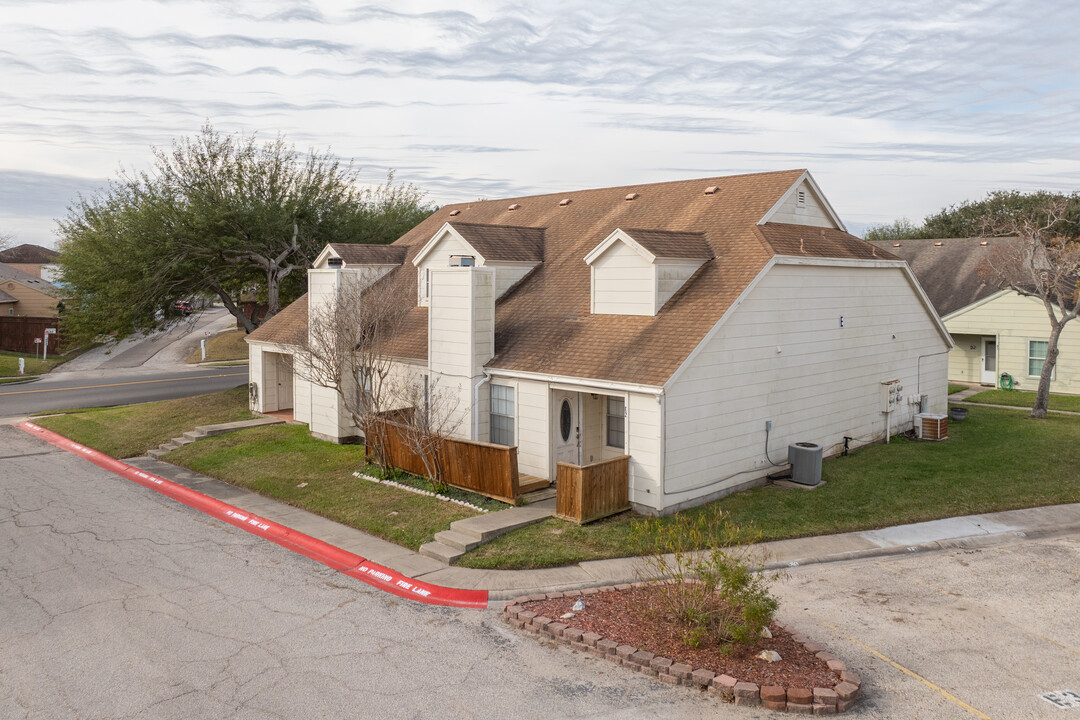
<point>515,206</point>
<point>564,202</point>
<point>454,212</point>
<point>712,189</point>
<point>800,198</point>
<point>632,196</point>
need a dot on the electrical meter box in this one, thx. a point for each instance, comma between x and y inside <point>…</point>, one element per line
<point>892,395</point>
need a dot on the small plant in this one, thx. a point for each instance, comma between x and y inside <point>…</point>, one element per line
<point>718,595</point>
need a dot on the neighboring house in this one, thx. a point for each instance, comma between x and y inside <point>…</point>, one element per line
<point>671,322</point>
<point>995,330</point>
<point>32,259</point>
<point>26,295</point>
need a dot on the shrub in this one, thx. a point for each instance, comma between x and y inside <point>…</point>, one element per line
<point>717,595</point>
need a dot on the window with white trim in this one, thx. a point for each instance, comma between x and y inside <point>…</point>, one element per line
<point>616,422</point>
<point>502,415</point>
<point>1036,356</point>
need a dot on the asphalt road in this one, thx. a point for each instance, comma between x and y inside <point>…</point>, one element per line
<point>117,387</point>
<point>120,603</point>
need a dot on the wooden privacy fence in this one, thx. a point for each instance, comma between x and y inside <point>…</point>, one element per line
<point>17,333</point>
<point>483,468</point>
<point>590,492</point>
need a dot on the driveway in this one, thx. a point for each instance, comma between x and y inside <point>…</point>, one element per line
<point>119,603</point>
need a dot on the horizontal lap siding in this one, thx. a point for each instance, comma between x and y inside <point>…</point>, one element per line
<point>1015,320</point>
<point>643,429</point>
<point>965,360</point>
<point>822,385</point>
<point>532,402</point>
<point>813,213</point>
<point>624,283</point>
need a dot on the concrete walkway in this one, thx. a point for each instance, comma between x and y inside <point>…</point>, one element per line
<point>961,532</point>
<point>960,398</point>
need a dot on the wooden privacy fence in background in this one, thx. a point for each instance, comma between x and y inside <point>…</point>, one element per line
<point>590,492</point>
<point>17,334</point>
<point>483,468</point>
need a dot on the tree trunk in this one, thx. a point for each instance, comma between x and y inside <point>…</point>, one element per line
<point>227,301</point>
<point>1042,397</point>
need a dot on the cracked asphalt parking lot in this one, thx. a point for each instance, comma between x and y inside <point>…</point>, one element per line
<point>120,603</point>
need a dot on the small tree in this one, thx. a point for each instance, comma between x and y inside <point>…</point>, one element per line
<point>1042,264</point>
<point>349,348</point>
<point>433,419</point>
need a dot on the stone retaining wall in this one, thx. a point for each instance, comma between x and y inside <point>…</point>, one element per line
<point>817,701</point>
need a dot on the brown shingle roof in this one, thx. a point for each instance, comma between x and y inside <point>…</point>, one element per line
<point>948,268</point>
<point>504,242</point>
<point>819,242</point>
<point>5,298</point>
<point>543,324</point>
<point>31,281</point>
<point>28,254</point>
<point>288,327</point>
<point>667,244</point>
<point>370,254</point>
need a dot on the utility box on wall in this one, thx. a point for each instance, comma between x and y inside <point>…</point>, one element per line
<point>891,395</point>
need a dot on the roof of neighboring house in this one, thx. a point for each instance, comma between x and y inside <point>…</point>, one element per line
<point>5,298</point>
<point>948,268</point>
<point>288,327</point>
<point>356,254</point>
<point>504,242</point>
<point>543,324</point>
<point>667,244</point>
<point>31,281</point>
<point>27,253</point>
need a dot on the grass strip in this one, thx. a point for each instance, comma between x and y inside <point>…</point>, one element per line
<point>1021,398</point>
<point>276,461</point>
<point>228,345</point>
<point>131,430</point>
<point>422,483</point>
<point>996,459</point>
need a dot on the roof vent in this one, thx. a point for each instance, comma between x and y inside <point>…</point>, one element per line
<point>712,189</point>
<point>937,244</point>
<point>983,244</point>
<point>564,202</point>
<point>896,244</point>
<point>632,196</point>
<point>334,262</point>
<point>515,206</point>
<point>454,212</point>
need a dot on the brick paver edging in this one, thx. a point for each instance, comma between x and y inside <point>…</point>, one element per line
<point>817,701</point>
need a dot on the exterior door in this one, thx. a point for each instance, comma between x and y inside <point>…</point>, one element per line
<point>567,428</point>
<point>988,372</point>
<point>284,382</point>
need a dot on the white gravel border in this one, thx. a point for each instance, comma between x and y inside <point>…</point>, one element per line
<point>418,491</point>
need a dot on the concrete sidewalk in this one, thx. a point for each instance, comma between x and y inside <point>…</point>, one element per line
<point>959,532</point>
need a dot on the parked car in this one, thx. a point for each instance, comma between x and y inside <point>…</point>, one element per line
<point>184,307</point>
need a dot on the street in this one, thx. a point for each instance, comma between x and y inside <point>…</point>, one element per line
<point>120,603</point>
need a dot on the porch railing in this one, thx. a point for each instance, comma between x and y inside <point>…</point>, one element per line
<point>585,493</point>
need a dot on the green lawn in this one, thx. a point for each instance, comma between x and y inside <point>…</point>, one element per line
<point>1019,398</point>
<point>223,346</point>
<point>133,429</point>
<point>275,460</point>
<point>956,388</point>
<point>996,459</point>
<point>9,364</point>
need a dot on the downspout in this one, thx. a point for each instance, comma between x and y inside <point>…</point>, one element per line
<point>476,406</point>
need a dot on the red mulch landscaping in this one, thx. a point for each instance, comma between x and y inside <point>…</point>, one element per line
<point>633,617</point>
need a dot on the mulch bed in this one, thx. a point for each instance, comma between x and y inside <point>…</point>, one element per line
<point>622,624</point>
<point>632,617</point>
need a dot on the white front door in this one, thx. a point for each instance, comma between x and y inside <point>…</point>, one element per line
<point>988,372</point>
<point>567,428</point>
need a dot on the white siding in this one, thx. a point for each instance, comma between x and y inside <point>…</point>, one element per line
<point>623,282</point>
<point>813,213</point>
<point>533,404</point>
<point>322,284</point>
<point>782,356</point>
<point>301,397</point>
<point>670,276</point>
<point>643,431</point>
<point>439,259</point>
<point>255,370</point>
<point>1015,320</point>
<point>506,275</point>
<point>965,360</point>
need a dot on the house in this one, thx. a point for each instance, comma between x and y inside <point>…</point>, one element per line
<point>32,259</point>
<point>996,330</point>
<point>23,294</point>
<point>698,326</point>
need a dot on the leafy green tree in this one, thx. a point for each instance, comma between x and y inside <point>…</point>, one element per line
<point>217,214</point>
<point>901,229</point>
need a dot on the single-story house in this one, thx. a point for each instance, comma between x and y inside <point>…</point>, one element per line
<point>23,294</point>
<point>698,326</point>
<point>996,330</point>
<point>32,259</point>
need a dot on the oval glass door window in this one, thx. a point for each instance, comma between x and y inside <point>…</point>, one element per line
<point>565,420</point>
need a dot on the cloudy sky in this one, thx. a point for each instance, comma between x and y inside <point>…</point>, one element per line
<point>897,108</point>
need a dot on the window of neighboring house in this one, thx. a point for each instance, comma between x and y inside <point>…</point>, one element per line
<point>502,415</point>
<point>363,386</point>
<point>1036,356</point>
<point>616,422</point>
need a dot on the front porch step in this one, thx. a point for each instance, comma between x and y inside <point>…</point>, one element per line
<point>536,496</point>
<point>440,552</point>
<point>528,484</point>
<point>483,528</point>
<point>457,540</point>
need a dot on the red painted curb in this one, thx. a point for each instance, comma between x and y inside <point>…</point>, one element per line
<point>343,561</point>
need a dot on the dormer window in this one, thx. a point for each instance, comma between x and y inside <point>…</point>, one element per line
<point>462,261</point>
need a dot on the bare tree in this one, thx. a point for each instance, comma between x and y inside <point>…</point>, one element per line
<point>434,418</point>
<point>349,348</point>
<point>1042,264</point>
<point>7,239</point>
